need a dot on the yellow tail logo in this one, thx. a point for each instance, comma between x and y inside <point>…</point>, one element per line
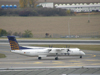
<point>14,45</point>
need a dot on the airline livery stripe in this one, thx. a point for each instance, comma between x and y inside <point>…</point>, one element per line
<point>14,45</point>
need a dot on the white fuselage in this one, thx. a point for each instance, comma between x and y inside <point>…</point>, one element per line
<point>43,52</point>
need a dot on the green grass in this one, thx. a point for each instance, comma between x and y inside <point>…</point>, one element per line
<point>57,38</point>
<point>82,47</point>
<point>62,38</point>
<point>2,55</point>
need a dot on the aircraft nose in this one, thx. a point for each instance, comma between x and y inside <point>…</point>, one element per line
<point>82,53</point>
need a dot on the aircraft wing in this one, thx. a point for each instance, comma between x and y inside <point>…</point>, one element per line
<point>59,49</point>
<point>55,50</point>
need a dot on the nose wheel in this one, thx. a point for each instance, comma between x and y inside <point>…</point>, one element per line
<point>80,56</point>
<point>56,58</point>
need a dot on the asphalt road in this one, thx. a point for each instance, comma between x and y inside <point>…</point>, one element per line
<point>92,58</point>
<point>26,41</point>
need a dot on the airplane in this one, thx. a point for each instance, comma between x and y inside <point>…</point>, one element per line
<point>42,51</point>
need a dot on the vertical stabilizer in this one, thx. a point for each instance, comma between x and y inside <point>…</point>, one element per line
<point>13,43</point>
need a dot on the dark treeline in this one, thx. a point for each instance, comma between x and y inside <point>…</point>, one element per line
<point>26,34</point>
<point>35,12</point>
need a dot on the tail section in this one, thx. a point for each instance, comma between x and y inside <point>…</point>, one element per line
<point>14,44</point>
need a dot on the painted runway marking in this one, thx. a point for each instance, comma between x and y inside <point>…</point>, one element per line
<point>95,64</point>
<point>58,62</point>
<point>38,63</point>
<point>92,60</point>
<point>74,61</point>
<point>94,55</point>
<point>77,63</point>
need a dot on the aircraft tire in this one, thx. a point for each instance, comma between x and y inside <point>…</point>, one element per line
<point>39,58</point>
<point>80,56</point>
<point>56,58</point>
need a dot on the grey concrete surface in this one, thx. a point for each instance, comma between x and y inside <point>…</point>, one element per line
<point>92,58</point>
<point>52,71</point>
<point>91,63</point>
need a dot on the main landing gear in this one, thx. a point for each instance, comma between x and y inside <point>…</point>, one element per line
<point>56,58</point>
<point>39,58</point>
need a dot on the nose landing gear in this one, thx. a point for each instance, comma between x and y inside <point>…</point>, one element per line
<point>80,56</point>
<point>56,58</point>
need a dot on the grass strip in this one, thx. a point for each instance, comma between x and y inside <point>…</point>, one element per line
<point>82,47</point>
<point>2,55</point>
<point>55,38</point>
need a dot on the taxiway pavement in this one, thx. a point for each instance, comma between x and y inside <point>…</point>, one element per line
<point>92,58</point>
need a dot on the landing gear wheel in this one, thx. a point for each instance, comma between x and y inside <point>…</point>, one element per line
<point>80,56</point>
<point>56,58</point>
<point>39,58</point>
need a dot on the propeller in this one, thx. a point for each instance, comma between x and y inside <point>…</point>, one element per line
<point>68,51</point>
<point>49,50</point>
